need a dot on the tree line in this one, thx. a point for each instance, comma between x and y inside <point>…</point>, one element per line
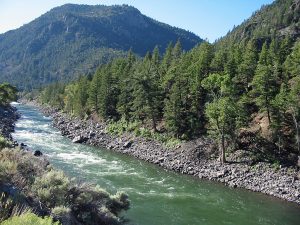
<point>215,89</point>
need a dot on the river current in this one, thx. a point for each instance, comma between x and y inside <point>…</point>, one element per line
<point>158,197</point>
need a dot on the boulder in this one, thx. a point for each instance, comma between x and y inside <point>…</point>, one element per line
<point>127,144</point>
<point>60,122</point>
<point>77,126</point>
<point>37,153</point>
<point>91,134</point>
<point>78,139</point>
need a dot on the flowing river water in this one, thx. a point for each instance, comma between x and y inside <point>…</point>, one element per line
<point>158,197</point>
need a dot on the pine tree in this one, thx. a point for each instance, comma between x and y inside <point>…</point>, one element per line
<point>292,62</point>
<point>125,99</point>
<point>70,97</point>
<point>287,102</point>
<point>175,112</point>
<point>167,59</point>
<point>80,106</point>
<point>146,93</point>
<point>109,93</point>
<point>94,91</point>
<point>264,83</point>
<point>246,69</point>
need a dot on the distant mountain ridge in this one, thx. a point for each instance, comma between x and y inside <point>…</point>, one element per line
<point>72,40</point>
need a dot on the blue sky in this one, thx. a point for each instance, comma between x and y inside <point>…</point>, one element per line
<point>209,19</point>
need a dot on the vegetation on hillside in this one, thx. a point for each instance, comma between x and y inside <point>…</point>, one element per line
<point>279,19</point>
<point>186,94</point>
<point>246,83</point>
<point>73,39</point>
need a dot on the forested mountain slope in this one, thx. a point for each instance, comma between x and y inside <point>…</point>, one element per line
<point>73,40</point>
<point>243,91</point>
<point>280,19</point>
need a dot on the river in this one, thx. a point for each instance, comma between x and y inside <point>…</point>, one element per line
<point>158,197</point>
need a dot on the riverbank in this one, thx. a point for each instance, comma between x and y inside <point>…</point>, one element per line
<point>192,158</point>
<point>8,117</point>
<point>29,183</point>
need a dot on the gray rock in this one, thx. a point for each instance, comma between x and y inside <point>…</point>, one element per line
<point>127,144</point>
<point>78,139</point>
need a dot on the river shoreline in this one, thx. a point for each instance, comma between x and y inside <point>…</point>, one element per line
<point>190,158</point>
<point>8,117</point>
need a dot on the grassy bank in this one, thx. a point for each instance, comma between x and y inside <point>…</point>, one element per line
<point>134,128</point>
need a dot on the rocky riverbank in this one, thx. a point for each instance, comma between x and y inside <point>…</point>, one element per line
<point>8,117</point>
<point>28,183</point>
<point>196,158</point>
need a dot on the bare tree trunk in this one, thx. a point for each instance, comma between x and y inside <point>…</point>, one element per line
<point>154,123</point>
<point>268,109</point>
<point>297,131</point>
<point>222,148</point>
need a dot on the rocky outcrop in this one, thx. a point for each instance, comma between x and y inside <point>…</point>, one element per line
<point>196,158</point>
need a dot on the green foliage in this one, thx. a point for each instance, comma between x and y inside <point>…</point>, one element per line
<point>52,188</point>
<point>51,191</point>
<point>60,211</point>
<point>214,88</point>
<point>53,95</point>
<point>4,142</point>
<point>264,82</point>
<point>277,19</point>
<point>8,93</point>
<point>57,48</point>
<point>29,219</point>
<point>222,114</point>
<point>122,126</point>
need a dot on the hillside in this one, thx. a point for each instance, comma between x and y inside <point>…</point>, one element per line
<point>280,19</point>
<point>72,40</point>
<point>242,91</point>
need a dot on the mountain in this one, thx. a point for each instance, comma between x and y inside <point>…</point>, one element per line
<point>279,19</point>
<point>72,40</point>
<point>243,90</point>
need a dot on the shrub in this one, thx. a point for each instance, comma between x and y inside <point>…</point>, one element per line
<point>120,127</point>
<point>68,202</point>
<point>8,164</point>
<point>119,202</point>
<point>60,211</point>
<point>29,219</point>
<point>52,188</point>
<point>6,206</point>
<point>4,142</point>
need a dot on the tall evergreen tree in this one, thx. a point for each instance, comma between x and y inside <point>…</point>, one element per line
<point>264,83</point>
<point>247,67</point>
<point>95,91</point>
